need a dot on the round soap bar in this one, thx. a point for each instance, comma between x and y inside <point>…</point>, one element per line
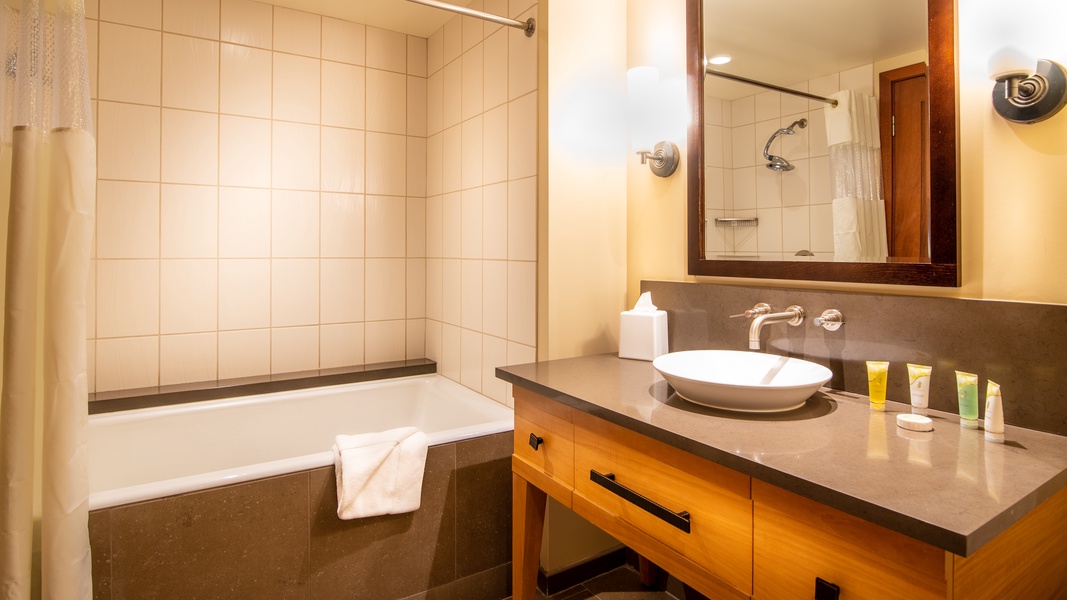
<point>914,422</point>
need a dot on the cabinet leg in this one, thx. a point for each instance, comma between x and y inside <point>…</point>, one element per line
<point>648,572</point>
<point>528,522</point>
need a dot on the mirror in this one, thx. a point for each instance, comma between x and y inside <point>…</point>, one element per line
<point>748,128</point>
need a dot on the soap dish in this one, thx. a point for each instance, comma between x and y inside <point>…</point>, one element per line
<point>914,422</point>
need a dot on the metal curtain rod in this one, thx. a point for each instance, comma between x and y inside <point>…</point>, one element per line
<point>527,25</point>
<point>761,84</point>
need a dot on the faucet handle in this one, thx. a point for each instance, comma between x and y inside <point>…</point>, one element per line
<point>830,320</point>
<point>760,309</point>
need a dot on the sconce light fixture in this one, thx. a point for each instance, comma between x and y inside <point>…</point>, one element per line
<point>655,108</point>
<point>1020,97</point>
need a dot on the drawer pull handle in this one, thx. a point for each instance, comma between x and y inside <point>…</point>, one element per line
<point>824,590</point>
<point>535,442</point>
<point>679,520</point>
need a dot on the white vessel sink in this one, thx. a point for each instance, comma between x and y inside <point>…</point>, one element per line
<point>742,381</point>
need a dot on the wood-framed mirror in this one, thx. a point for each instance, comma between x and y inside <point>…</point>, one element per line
<point>934,262</point>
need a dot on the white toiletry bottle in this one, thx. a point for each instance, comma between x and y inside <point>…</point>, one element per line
<point>643,330</point>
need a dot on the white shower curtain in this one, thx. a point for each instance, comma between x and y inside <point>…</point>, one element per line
<point>856,171</point>
<point>48,194</point>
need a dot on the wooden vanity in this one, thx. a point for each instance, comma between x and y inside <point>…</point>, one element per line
<point>730,534</point>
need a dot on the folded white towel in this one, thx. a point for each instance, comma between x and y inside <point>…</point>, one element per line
<point>379,473</point>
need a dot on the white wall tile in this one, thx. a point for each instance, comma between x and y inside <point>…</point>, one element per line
<point>198,18</point>
<point>744,188</point>
<point>244,293</point>
<point>127,298</point>
<point>434,289</point>
<point>190,151</point>
<point>768,188</point>
<point>343,160</point>
<point>244,353</point>
<point>341,232</point>
<point>294,224</point>
<point>294,292</point>
<point>384,341</point>
<point>385,294</point>
<point>451,352</point>
<point>189,297</point>
<point>472,28</point>
<point>294,349</point>
<point>767,105</point>
<point>343,95</point>
<point>495,69</point>
<point>130,64</point>
<point>417,56</point>
<point>471,159</point>
<point>743,143</point>
<point>471,294</point>
<point>522,137</point>
<point>471,223</point>
<point>341,345</point>
<point>140,13</point>
<point>190,73</point>
<point>386,164</point>
<point>344,41</point>
<point>435,103</point>
<point>795,184</point>
<point>522,302</point>
<point>769,232</point>
<point>341,297</point>
<point>452,291</point>
<point>435,226</point>
<point>452,223</point>
<point>416,106</point>
<point>386,101</point>
<point>244,151</point>
<point>820,190</point>
<point>522,60</point>
<point>522,219</point>
<point>471,359</point>
<point>386,228</point>
<point>127,363</point>
<point>295,156</point>
<point>128,143</point>
<point>822,227</point>
<point>386,50</point>
<point>452,159</point>
<point>416,288</point>
<point>452,43</point>
<point>471,96</point>
<point>452,94</point>
<point>296,88</point>
<point>743,111</point>
<point>416,166</point>
<point>297,32</point>
<point>495,221</point>
<point>245,76</point>
<point>188,358</point>
<point>416,338</point>
<point>435,51</point>
<point>244,223</point>
<point>495,298</point>
<point>416,227</point>
<point>495,145</point>
<point>92,43</point>
<point>189,221</point>
<point>494,354</point>
<point>248,23</point>
<point>795,235</point>
<point>127,220</point>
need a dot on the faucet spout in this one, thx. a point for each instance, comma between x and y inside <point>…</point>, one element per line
<point>794,315</point>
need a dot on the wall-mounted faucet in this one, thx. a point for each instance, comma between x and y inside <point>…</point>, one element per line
<point>794,315</point>
<point>831,319</point>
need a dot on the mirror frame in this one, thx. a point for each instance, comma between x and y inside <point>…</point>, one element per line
<point>943,266</point>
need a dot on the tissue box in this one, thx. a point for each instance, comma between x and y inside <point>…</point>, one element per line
<point>642,334</point>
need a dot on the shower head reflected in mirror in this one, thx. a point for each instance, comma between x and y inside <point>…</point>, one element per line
<point>777,163</point>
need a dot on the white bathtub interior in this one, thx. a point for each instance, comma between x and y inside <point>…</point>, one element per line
<point>154,452</point>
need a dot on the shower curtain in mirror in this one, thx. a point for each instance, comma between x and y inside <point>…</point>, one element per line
<point>47,187</point>
<point>856,172</point>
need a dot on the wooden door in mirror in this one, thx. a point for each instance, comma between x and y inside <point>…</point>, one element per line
<point>939,268</point>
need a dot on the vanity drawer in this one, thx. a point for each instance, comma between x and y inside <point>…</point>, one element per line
<point>626,475</point>
<point>797,540</point>
<point>544,444</point>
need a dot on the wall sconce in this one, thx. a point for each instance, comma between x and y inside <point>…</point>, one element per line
<point>653,112</point>
<point>1023,98</point>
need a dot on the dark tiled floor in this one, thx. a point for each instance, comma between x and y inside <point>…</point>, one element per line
<point>622,583</point>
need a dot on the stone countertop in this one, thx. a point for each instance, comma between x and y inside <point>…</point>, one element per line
<point>949,488</point>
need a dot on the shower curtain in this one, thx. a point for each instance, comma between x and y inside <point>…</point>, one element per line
<point>48,194</point>
<point>856,171</point>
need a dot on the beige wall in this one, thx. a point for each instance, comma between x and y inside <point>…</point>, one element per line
<point>1013,207</point>
<point>280,191</point>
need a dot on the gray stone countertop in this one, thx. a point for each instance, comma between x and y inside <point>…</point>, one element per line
<point>949,488</point>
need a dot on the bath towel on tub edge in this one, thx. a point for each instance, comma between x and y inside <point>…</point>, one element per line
<point>379,473</point>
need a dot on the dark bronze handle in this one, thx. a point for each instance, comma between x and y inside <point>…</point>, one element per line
<point>679,520</point>
<point>535,442</point>
<point>824,590</point>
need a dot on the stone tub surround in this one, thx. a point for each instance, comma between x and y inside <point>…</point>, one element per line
<point>105,402</point>
<point>948,488</point>
<point>280,538</point>
<point>1018,345</point>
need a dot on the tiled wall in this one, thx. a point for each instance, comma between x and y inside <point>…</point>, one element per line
<point>793,208</point>
<point>262,197</point>
<point>481,206</point>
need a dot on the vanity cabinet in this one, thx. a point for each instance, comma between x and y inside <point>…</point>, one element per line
<point>747,538</point>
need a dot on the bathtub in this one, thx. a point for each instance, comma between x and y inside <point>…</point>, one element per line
<point>151,453</point>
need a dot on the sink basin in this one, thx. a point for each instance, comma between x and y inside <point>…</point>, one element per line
<point>742,381</point>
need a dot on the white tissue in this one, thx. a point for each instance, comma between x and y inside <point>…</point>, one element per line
<point>643,330</point>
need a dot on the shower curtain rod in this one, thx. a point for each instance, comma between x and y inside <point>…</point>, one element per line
<point>527,25</point>
<point>769,86</point>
